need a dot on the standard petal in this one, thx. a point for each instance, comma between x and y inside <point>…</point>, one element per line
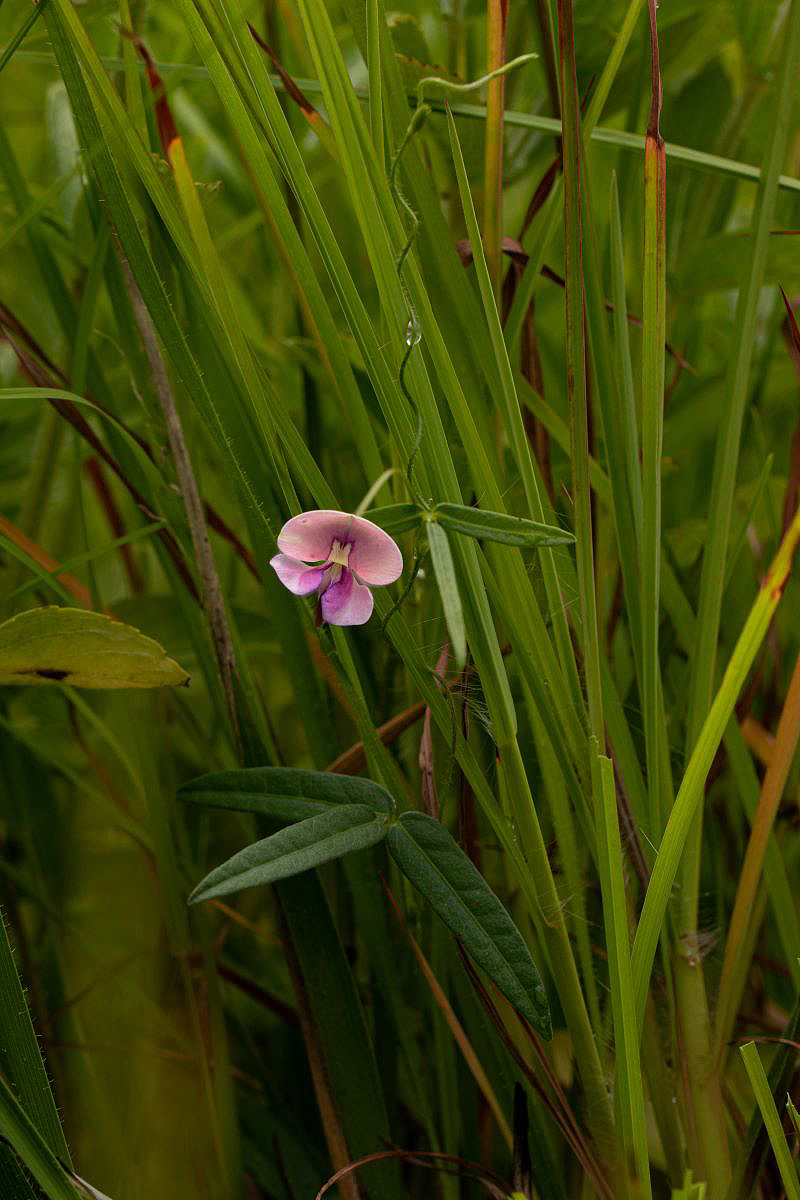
<point>346,602</point>
<point>298,577</point>
<point>375,557</point>
<point>310,535</point>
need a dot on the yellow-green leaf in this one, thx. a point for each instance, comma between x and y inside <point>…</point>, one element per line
<point>83,649</point>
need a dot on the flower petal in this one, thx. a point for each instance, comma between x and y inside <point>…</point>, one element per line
<point>346,602</point>
<point>375,557</point>
<point>298,577</point>
<point>310,535</point>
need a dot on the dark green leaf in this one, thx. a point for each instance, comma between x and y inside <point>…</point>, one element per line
<point>396,518</point>
<point>283,792</point>
<point>455,889</point>
<point>500,527</point>
<point>294,849</point>
<point>20,1056</point>
<point>18,1129</point>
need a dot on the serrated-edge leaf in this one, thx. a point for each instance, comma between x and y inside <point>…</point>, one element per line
<point>297,848</point>
<point>500,527</point>
<point>284,792</point>
<point>39,646</point>
<point>18,1129</point>
<point>461,897</point>
<point>20,1055</point>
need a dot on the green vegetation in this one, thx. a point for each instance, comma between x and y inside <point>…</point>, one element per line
<point>492,892</point>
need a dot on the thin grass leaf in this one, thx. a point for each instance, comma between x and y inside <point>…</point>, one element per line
<point>623,997</point>
<point>750,879</point>
<point>653,341</point>
<point>512,415</point>
<point>737,381</point>
<point>576,363</point>
<point>769,1114</point>
<point>690,793</point>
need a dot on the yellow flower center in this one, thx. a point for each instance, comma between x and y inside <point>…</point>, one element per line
<point>340,553</point>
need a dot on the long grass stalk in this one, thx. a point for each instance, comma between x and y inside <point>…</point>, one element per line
<point>496,20</point>
<point>653,340</point>
<point>576,352</point>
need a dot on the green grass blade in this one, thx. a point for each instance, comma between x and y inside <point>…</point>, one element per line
<point>763,1095</point>
<point>653,343</point>
<point>623,997</point>
<point>577,392</point>
<point>512,414</point>
<point>737,381</point>
<point>690,793</point>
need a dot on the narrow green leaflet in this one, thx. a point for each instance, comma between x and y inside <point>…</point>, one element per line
<point>500,527</point>
<point>84,649</point>
<point>458,893</point>
<point>794,1115</point>
<point>445,574</point>
<point>396,518</point>
<point>283,792</point>
<point>754,1146</point>
<point>294,849</point>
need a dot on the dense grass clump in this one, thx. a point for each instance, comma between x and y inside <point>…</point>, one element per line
<point>399,646</point>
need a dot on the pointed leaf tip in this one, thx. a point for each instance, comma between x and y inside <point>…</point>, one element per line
<point>500,527</point>
<point>298,848</point>
<point>461,897</point>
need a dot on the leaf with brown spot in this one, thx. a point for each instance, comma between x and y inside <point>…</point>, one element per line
<point>85,649</point>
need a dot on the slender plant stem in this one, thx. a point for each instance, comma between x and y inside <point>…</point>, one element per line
<point>211,591</point>
<point>653,339</point>
<point>577,391</point>
<point>496,19</point>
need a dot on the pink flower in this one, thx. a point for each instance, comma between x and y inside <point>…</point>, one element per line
<point>336,555</point>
